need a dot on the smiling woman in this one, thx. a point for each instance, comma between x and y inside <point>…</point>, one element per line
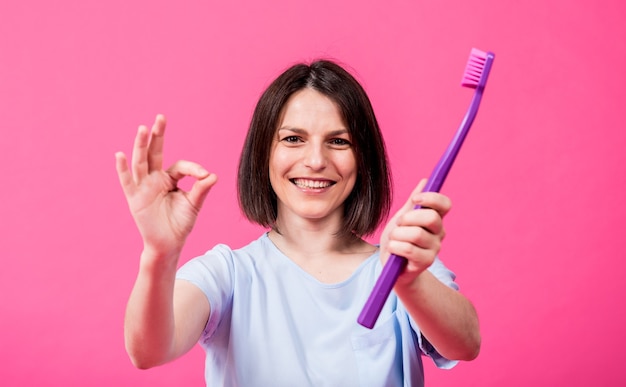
<point>283,310</point>
<point>351,109</point>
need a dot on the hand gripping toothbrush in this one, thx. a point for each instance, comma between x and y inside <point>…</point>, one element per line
<point>475,76</point>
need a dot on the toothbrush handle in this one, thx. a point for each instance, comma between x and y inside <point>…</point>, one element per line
<point>396,264</point>
<point>391,271</point>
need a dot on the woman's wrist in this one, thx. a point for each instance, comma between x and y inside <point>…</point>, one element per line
<point>155,260</point>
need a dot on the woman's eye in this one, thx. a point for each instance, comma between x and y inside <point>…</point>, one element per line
<point>291,139</point>
<point>340,142</point>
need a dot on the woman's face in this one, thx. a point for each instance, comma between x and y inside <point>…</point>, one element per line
<point>312,161</point>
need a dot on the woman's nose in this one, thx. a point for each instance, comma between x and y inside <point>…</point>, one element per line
<point>315,157</point>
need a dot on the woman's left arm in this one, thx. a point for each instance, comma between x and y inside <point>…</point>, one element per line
<point>445,317</point>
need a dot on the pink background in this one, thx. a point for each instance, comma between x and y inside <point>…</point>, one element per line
<point>535,236</point>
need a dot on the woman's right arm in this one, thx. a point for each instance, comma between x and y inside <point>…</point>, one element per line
<point>164,316</point>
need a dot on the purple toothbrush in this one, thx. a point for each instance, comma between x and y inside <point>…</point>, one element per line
<point>475,76</point>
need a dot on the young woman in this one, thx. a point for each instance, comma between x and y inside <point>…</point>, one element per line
<point>282,311</point>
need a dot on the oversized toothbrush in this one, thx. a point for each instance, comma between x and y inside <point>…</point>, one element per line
<point>475,76</point>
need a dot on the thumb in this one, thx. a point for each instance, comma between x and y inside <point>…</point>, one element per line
<point>413,200</point>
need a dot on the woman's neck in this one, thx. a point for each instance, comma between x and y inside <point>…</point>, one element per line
<point>312,236</point>
<point>328,257</point>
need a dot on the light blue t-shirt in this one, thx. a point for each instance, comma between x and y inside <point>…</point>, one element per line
<point>273,324</point>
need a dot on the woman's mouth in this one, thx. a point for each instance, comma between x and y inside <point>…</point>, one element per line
<point>312,184</point>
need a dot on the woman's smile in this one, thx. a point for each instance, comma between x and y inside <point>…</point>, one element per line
<point>312,184</point>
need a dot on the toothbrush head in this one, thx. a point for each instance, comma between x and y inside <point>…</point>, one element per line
<point>477,69</point>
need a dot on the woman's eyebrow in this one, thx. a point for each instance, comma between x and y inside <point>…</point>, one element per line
<point>292,129</point>
<point>337,132</point>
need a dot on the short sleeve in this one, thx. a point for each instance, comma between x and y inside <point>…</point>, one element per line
<point>212,273</point>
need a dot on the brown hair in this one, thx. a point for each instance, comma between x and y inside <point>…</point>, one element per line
<point>369,202</point>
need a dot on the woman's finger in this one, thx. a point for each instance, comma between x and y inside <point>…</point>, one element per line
<point>139,163</point>
<point>417,236</point>
<point>155,149</point>
<point>200,190</point>
<point>420,256</point>
<point>435,201</point>
<point>202,185</point>
<point>427,218</point>
<point>123,173</point>
<point>184,168</point>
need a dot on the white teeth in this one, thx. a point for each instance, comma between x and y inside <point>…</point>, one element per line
<point>312,184</point>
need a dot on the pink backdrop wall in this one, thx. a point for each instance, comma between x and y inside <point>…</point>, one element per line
<point>535,236</point>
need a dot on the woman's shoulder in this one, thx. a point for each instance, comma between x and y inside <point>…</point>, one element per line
<point>223,249</point>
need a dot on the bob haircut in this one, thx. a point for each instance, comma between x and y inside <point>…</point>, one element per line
<point>370,200</point>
